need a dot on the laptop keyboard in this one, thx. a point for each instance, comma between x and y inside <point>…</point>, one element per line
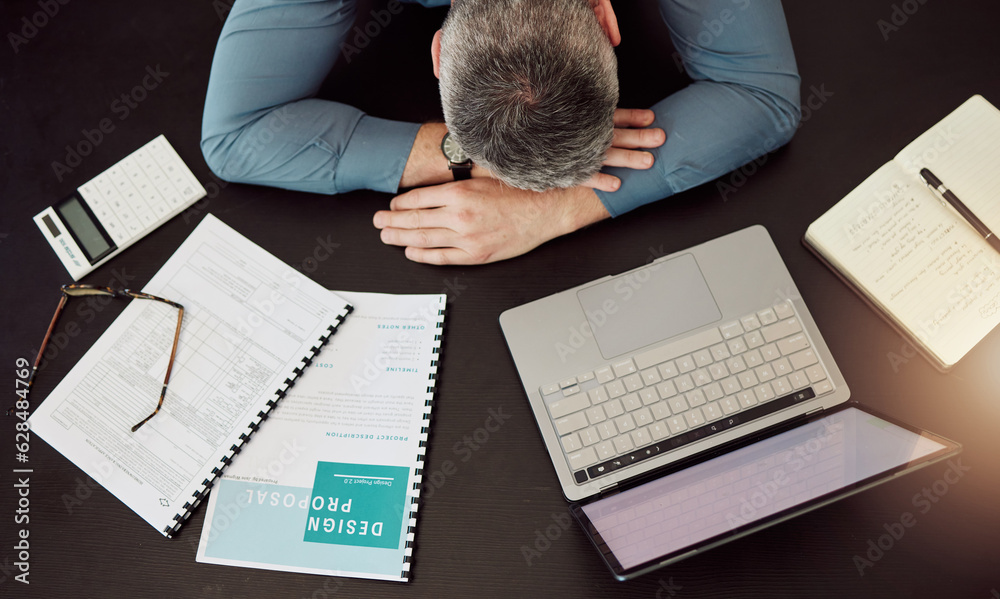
<point>652,402</point>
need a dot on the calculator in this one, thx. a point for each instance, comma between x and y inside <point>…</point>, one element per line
<point>119,207</point>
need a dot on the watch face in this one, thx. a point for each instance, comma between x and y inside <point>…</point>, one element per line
<point>451,149</point>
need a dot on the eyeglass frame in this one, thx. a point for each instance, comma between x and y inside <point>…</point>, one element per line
<point>69,291</point>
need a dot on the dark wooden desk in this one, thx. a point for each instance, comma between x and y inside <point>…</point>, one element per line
<point>875,75</point>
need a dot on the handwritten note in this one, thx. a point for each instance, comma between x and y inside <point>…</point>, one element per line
<point>912,255</point>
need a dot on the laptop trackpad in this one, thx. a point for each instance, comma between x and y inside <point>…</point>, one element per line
<point>648,305</point>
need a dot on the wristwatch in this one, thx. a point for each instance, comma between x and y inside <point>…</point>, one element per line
<point>459,164</point>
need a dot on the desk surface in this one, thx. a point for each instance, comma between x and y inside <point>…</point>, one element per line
<point>875,75</point>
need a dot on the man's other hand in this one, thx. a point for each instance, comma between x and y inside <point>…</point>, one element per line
<point>482,220</point>
<point>631,133</point>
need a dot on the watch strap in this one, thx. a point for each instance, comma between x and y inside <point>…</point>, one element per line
<point>461,170</point>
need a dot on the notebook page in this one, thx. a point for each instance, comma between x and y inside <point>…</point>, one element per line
<point>916,259</point>
<point>963,150</point>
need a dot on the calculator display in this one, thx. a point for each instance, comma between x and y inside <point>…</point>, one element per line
<point>119,207</point>
<point>84,229</point>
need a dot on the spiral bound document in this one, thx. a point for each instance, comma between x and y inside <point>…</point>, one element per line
<point>331,483</point>
<point>251,324</point>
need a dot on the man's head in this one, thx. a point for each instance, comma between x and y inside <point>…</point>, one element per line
<point>528,88</point>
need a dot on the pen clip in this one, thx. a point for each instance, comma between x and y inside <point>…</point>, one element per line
<point>935,186</point>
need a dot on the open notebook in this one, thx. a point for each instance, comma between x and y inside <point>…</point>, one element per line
<point>913,258</point>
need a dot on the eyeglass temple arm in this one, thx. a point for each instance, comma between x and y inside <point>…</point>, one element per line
<point>170,366</point>
<point>48,335</point>
<point>45,342</point>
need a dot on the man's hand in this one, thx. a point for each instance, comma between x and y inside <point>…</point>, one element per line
<point>482,220</point>
<point>630,133</point>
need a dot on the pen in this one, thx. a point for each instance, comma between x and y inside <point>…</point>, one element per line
<point>935,184</point>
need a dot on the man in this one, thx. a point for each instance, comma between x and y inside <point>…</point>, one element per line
<point>262,125</point>
<point>529,88</point>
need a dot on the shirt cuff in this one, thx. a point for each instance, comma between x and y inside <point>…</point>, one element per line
<point>639,187</point>
<point>376,155</point>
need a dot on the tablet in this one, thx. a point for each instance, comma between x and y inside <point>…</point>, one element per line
<point>732,492</point>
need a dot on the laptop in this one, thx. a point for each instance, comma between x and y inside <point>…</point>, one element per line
<point>692,400</point>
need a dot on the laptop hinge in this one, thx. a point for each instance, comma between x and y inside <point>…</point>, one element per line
<point>611,489</point>
<point>816,411</point>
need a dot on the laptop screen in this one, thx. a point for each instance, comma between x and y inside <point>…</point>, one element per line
<point>749,488</point>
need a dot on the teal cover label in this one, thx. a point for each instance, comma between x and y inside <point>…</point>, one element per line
<point>357,504</point>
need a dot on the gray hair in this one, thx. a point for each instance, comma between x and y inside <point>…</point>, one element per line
<point>529,89</point>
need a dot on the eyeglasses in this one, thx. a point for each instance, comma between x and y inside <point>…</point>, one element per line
<point>69,291</point>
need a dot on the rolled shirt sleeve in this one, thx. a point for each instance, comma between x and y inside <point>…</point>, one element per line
<point>743,101</point>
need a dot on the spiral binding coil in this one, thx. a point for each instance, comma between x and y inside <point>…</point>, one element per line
<point>424,430</point>
<point>254,425</point>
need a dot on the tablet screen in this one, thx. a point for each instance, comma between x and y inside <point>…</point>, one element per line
<point>746,489</point>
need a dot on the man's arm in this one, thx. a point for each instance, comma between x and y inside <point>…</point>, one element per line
<point>261,123</point>
<point>744,101</point>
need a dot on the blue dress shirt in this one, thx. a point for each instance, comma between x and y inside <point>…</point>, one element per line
<point>262,124</point>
